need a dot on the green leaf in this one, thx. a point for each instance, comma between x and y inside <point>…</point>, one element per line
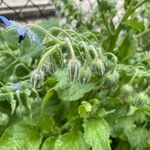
<point>84,109</point>
<point>20,137</point>
<point>49,143</point>
<point>136,25</point>
<point>96,134</point>
<point>50,95</point>
<point>138,138</point>
<point>71,91</point>
<point>127,48</point>
<point>72,140</point>
<point>44,122</point>
<point>75,91</point>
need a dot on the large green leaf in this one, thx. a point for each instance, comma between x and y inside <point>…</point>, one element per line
<point>20,137</point>
<point>70,141</point>
<point>127,48</point>
<point>71,91</point>
<point>49,143</point>
<point>96,134</point>
<point>138,138</point>
<point>136,24</point>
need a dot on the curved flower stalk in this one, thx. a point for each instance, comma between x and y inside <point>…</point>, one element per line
<point>22,31</point>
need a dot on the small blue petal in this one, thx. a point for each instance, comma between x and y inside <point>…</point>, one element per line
<point>4,21</point>
<point>16,86</point>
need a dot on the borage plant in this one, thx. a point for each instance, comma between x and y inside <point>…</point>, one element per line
<point>83,93</point>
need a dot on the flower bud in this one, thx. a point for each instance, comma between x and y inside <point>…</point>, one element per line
<point>111,79</point>
<point>3,119</point>
<point>98,67</point>
<point>85,75</point>
<point>37,77</point>
<point>74,67</point>
<point>141,99</point>
<point>126,91</point>
<point>21,110</point>
<point>48,68</point>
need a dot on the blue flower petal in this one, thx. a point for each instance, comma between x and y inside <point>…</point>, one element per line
<point>22,32</point>
<point>4,21</point>
<point>16,86</point>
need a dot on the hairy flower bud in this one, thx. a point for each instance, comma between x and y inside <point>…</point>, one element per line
<point>21,110</point>
<point>48,68</point>
<point>126,91</point>
<point>85,75</point>
<point>111,79</point>
<point>3,119</point>
<point>74,67</point>
<point>37,77</point>
<point>141,99</point>
<point>98,67</point>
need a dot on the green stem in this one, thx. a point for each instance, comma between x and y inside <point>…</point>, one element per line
<point>47,54</point>
<point>71,48</point>
<point>45,31</point>
<point>59,29</point>
<point>95,52</point>
<point>18,97</point>
<point>88,57</point>
<point>134,76</point>
<point>93,35</point>
<point>9,66</point>
<point>77,34</point>
<point>129,11</point>
<point>103,17</point>
<point>115,60</point>
<point>143,33</point>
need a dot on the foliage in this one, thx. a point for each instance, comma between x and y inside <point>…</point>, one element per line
<point>82,89</point>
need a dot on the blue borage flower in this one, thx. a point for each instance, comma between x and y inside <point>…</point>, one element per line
<point>15,86</point>
<point>22,31</point>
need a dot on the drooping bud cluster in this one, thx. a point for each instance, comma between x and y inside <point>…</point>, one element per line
<point>74,67</point>
<point>37,77</point>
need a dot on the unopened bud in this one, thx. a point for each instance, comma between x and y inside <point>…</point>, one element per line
<point>126,91</point>
<point>74,67</point>
<point>21,110</point>
<point>48,68</point>
<point>37,77</point>
<point>141,99</point>
<point>85,75</point>
<point>3,119</point>
<point>111,79</point>
<point>98,67</point>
